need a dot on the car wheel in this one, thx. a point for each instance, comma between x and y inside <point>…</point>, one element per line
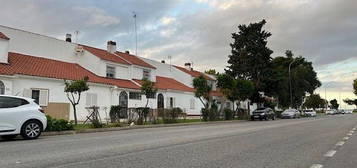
<point>8,137</point>
<point>260,118</point>
<point>252,118</point>
<point>31,129</point>
<point>273,118</point>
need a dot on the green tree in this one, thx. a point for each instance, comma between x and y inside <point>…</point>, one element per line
<point>303,79</point>
<point>314,101</point>
<point>211,72</point>
<point>234,89</point>
<point>148,89</point>
<point>73,91</point>
<point>353,101</point>
<point>202,90</point>
<point>250,57</point>
<point>334,104</point>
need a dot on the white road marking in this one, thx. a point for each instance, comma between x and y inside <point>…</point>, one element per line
<point>340,143</point>
<point>330,153</point>
<point>349,134</point>
<point>352,132</point>
<point>354,129</point>
<point>316,166</point>
<point>346,138</point>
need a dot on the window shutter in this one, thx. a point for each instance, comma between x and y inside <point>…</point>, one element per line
<point>94,99</point>
<point>43,100</point>
<point>27,93</point>
<point>168,102</point>
<point>88,99</point>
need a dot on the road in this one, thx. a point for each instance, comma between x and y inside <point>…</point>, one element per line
<point>299,143</point>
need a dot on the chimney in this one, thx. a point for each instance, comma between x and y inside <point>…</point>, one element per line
<point>127,52</point>
<point>111,46</point>
<point>188,66</point>
<point>163,61</point>
<point>69,37</point>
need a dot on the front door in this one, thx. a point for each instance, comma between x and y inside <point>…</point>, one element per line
<point>123,103</point>
<point>160,101</point>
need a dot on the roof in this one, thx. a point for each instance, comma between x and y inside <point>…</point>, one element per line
<point>105,55</point>
<point>165,83</point>
<point>3,36</point>
<point>134,60</point>
<point>43,67</point>
<point>193,73</point>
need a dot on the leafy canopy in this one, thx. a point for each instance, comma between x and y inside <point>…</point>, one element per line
<point>250,57</point>
<point>314,101</point>
<point>334,104</point>
<point>202,89</point>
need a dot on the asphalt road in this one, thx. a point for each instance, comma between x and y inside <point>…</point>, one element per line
<point>299,143</point>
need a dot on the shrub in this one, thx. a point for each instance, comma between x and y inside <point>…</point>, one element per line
<point>142,113</point>
<point>116,113</point>
<point>171,115</point>
<point>210,114</point>
<point>58,124</point>
<point>228,114</point>
<point>205,114</point>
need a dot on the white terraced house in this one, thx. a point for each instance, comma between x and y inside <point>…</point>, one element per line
<point>35,66</point>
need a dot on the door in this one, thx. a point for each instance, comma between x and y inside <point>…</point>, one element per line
<point>160,101</point>
<point>12,112</point>
<point>123,103</point>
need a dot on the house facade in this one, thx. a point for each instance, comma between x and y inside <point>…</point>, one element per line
<point>35,66</point>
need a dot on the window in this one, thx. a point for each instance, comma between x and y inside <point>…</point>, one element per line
<point>146,74</point>
<point>2,88</point>
<point>10,102</point>
<point>91,99</point>
<point>40,96</point>
<point>172,101</point>
<point>135,95</point>
<point>152,96</point>
<point>192,104</point>
<point>110,71</point>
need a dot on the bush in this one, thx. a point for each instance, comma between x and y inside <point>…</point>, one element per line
<point>58,124</point>
<point>228,114</point>
<point>171,115</point>
<point>116,113</point>
<point>210,114</point>
<point>142,113</point>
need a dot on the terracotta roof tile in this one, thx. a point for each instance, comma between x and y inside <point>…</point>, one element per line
<point>3,36</point>
<point>134,60</point>
<point>165,83</point>
<point>43,67</point>
<point>193,73</point>
<point>105,55</point>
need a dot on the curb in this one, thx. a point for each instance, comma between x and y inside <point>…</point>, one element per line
<point>94,130</point>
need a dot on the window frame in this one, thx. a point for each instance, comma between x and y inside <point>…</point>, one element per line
<point>135,95</point>
<point>110,71</point>
<point>146,73</point>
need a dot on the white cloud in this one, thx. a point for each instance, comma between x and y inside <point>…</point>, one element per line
<point>167,20</point>
<point>96,16</point>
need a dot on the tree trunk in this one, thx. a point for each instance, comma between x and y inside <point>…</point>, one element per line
<point>75,114</point>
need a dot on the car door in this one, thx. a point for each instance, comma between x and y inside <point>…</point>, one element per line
<point>11,113</point>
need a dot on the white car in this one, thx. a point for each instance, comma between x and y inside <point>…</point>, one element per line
<point>331,112</point>
<point>310,113</point>
<point>21,116</point>
<point>348,111</point>
<point>290,113</point>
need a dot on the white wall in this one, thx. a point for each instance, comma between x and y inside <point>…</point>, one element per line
<point>121,71</point>
<point>39,45</point>
<point>4,50</point>
<point>8,85</point>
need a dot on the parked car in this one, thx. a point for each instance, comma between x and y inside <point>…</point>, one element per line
<point>263,114</point>
<point>290,113</point>
<point>309,113</point>
<point>21,116</point>
<point>331,112</point>
<point>348,111</point>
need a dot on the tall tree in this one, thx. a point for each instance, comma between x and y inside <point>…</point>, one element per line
<point>148,89</point>
<point>250,56</point>
<point>314,101</point>
<point>353,101</point>
<point>303,79</point>
<point>202,90</point>
<point>334,104</point>
<point>74,90</point>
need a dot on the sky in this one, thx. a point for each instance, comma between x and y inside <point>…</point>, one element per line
<point>199,31</point>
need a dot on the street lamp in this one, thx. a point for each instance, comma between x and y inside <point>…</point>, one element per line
<point>291,92</point>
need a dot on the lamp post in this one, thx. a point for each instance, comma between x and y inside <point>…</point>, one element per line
<point>291,92</point>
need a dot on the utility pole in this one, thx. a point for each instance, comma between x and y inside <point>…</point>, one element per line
<point>291,92</point>
<point>136,35</point>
